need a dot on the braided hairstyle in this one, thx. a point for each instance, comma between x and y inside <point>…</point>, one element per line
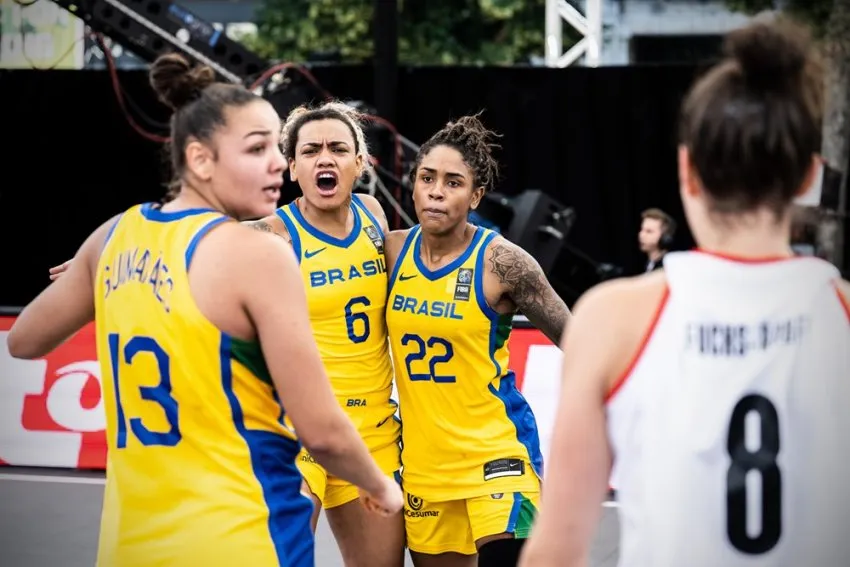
<point>333,110</point>
<point>475,144</point>
<point>199,104</point>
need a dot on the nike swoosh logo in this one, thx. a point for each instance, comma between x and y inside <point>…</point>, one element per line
<point>403,278</point>
<point>311,253</point>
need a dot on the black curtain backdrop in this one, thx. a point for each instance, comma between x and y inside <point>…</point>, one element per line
<point>599,140</point>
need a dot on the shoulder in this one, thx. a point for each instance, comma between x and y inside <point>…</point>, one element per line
<point>272,224</point>
<point>394,241</point>
<point>93,245</point>
<point>843,287</point>
<point>245,250</point>
<point>611,321</point>
<point>374,206</point>
<point>505,257</point>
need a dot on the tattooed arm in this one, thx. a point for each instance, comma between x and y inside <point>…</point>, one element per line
<point>524,286</point>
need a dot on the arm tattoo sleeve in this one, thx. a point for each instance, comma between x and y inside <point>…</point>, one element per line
<point>529,289</point>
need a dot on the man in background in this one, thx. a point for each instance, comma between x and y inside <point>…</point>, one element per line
<point>656,234</point>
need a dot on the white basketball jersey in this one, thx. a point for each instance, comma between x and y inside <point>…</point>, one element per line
<point>731,435</point>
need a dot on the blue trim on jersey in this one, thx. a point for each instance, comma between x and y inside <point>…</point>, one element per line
<point>516,406</point>
<point>514,515</point>
<point>151,213</point>
<point>357,201</point>
<point>293,233</point>
<point>112,229</point>
<point>273,462</point>
<point>405,247</point>
<point>327,238</point>
<point>519,412</point>
<point>451,266</point>
<point>478,279</point>
<point>193,244</point>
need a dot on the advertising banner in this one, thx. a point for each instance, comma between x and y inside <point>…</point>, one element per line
<point>51,410</point>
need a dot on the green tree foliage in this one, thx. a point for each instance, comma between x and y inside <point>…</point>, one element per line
<point>813,12</point>
<point>432,32</point>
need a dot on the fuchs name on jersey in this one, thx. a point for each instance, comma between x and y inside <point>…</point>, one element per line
<point>738,340</point>
<point>139,266</point>
<point>331,276</point>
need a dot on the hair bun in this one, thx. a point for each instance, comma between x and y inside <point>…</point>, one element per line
<point>772,55</point>
<point>176,82</point>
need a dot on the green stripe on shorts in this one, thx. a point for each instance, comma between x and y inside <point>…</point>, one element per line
<point>525,519</point>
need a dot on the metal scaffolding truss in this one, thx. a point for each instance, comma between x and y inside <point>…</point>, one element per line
<point>589,25</point>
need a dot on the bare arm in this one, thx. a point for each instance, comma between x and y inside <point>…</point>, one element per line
<point>268,272</point>
<point>64,307</point>
<point>526,285</point>
<point>580,457</point>
<point>599,345</point>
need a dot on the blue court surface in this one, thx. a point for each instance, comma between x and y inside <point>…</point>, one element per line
<point>50,518</point>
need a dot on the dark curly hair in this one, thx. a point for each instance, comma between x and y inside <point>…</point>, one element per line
<point>474,142</point>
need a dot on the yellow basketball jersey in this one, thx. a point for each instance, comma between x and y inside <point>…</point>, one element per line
<point>200,466</point>
<point>346,282</point>
<point>467,429</point>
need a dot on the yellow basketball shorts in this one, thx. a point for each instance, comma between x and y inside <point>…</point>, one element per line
<point>455,525</point>
<point>382,436</point>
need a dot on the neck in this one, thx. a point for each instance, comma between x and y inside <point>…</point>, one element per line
<point>756,236</point>
<point>435,247</point>
<point>330,221</point>
<point>655,255</point>
<point>191,198</point>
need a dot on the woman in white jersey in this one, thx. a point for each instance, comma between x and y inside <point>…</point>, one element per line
<point>718,388</point>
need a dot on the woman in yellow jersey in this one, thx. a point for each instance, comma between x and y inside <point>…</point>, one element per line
<point>338,239</point>
<point>472,461</point>
<point>198,353</point>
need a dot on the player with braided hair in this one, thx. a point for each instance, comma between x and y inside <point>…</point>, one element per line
<point>471,452</point>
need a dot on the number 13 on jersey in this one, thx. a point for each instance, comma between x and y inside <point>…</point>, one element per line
<point>156,398</point>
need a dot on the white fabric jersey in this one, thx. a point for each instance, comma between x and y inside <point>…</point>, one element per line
<point>731,435</point>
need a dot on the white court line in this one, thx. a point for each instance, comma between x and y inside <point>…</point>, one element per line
<point>57,479</point>
<point>60,479</point>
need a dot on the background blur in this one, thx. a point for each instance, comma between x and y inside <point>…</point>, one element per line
<point>584,92</point>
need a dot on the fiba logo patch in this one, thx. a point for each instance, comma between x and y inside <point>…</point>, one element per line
<point>463,283</point>
<point>375,237</point>
<point>414,502</point>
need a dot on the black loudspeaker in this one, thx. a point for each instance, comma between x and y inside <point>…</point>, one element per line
<point>540,225</point>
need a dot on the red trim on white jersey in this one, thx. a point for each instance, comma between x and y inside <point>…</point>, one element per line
<point>618,384</point>
<point>845,302</point>
<point>748,260</point>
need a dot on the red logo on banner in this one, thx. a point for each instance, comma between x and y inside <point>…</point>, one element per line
<point>56,404</point>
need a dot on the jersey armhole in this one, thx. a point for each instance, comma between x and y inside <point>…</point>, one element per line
<point>843,300</point>
<point>478,276</point>
<point>363,208</point>
<point>647,336</point>
<point>293,233</point>
<point>401,256</point>
<point>203,231</point>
